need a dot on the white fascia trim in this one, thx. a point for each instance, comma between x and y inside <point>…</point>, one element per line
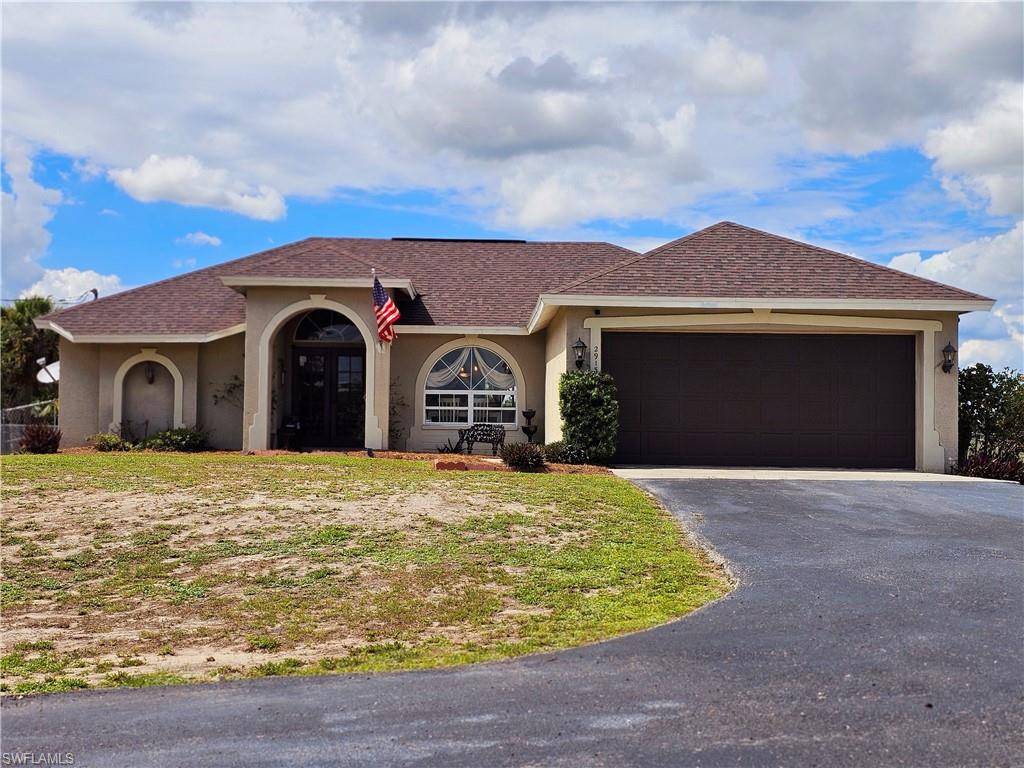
<point>321,282</point>
<point>464,330</point>
<point>549,300</point>
<point>49,325</point>
<point>763,317</point>
<point>147,338</point>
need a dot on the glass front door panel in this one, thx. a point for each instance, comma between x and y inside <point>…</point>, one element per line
<point>329,396</point>
<point>311,394</point>
<point>350,398</point>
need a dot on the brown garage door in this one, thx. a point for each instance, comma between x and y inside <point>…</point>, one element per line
<point>782,400</point>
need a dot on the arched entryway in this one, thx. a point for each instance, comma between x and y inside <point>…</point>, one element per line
<point>325,397</point>
<point>269,379</point>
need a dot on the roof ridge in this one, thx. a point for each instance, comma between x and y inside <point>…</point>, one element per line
<point>637,257</point>
<point>332,242</point>
<point>858,260</point>
<point>174,278</point>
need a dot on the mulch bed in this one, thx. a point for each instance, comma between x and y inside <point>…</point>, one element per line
<point>497,466</point>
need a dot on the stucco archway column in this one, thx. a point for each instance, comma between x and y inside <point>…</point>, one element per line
<point>259,379</point>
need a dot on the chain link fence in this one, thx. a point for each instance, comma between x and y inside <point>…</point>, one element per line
<point>14,420</point>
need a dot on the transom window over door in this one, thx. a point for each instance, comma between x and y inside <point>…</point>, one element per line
<point>470,385</point>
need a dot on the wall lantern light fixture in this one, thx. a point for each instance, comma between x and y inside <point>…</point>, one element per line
<point>948,354</point>
<point>579,348</point>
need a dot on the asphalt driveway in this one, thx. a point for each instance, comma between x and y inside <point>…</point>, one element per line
<point>877,623</point>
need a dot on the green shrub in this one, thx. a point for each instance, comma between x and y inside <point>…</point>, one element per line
<point>106,442</point>
<point>40,438</point>
<point>560,452</point>
<point>590,413</point>
<point>991,419</point>
<point>185,439</point>
<point>524,456</point>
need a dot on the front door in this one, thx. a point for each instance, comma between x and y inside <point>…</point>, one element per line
<point>329,396</point>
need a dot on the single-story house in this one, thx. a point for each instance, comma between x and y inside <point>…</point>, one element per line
<point>729,346</point>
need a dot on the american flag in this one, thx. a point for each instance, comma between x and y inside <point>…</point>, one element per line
<point>385,310</point>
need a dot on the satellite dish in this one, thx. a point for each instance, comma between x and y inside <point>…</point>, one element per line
<point>48,374</point>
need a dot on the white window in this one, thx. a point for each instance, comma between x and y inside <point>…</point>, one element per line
<point>470,385</point>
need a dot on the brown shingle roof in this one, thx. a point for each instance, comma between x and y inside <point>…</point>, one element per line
<point>728,260</point>
<point>497,283</point>
<point>460,282</point>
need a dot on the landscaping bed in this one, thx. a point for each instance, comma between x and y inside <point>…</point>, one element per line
<point>144,568</point>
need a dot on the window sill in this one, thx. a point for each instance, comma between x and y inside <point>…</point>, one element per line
<point>453,427</point>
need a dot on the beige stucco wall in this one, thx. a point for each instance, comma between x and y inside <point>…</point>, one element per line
<point>268,309</point>
<point>86,388</point>
<point>946,391</point>
<point>219,361</point>
<point>556,362</point>
<point>412,355</point>
<point>78,391</point>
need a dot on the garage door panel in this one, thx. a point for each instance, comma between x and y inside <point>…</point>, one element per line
<point>699,384</point>
<point>764,399</point>
<point>630,442</point>
<point>700,348</point>
<point>816,448</point>
<point>850,446</point>
<point>893,445</point>
<point>778,445</point>
<point>817,415</point>
<point>662,446</point>
<point>740,415</point>
<point>853,414</point>
<point>661,414</point>
<point>780,383</point>
<point>630,407</point>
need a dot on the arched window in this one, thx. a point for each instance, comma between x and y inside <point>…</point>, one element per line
<point>327,325</point>
<point>470,385</point>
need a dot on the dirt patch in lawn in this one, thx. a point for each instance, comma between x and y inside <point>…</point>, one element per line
<point>140,569</point>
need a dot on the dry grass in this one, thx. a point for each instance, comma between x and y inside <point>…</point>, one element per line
<point>138,569</point>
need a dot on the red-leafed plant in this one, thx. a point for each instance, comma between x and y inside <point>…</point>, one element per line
<point>40,438</point>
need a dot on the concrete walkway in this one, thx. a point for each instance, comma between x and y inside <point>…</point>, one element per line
<point>647,472</point>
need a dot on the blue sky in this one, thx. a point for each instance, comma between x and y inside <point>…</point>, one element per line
<point>171,137</point>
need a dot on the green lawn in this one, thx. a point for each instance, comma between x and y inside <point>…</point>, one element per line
<point>143,568</point>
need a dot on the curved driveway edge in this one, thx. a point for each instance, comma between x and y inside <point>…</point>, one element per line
<point>877,623</point>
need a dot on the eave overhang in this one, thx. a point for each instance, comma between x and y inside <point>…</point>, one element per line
<point>548,304</point>
<point>241,282</point>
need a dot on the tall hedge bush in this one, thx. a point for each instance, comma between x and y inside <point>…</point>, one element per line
<point>991,412</point>
<point>588,403</point>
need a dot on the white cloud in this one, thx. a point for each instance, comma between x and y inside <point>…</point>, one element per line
<point>109,212</point>
<point>188,263</point>
<point>983,155</point>
<point>27,209</point>
<point>184,180</point>
<point>722,65</point>
<point>199,238</point>
<point>520,114</point>
<point>71,283</point>
<point>479,103</point>
<point>994,267</point>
